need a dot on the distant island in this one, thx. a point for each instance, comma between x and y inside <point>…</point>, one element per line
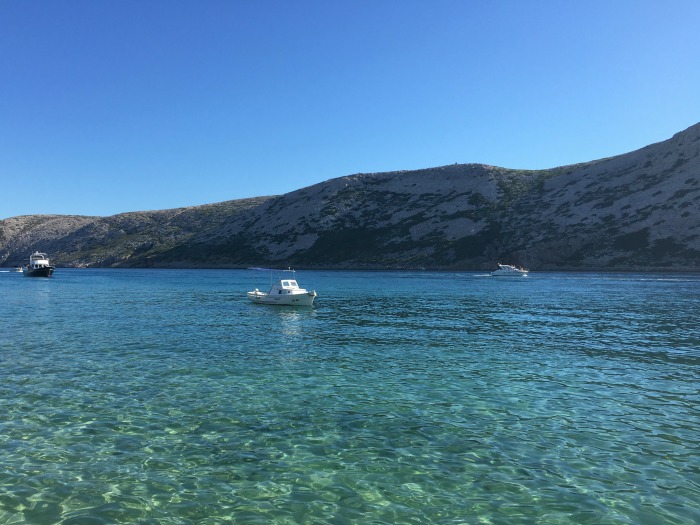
<point>639,211</point>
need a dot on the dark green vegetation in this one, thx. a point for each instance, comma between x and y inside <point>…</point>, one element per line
<point>637,211</point>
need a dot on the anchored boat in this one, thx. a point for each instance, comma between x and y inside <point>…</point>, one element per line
<point>39,266</point>
<point>284,292</point>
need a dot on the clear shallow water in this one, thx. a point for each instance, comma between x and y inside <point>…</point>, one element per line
<point>130,396</point>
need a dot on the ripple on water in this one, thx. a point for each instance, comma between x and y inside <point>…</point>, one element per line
<point>144,397</point>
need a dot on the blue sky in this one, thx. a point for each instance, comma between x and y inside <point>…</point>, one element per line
<point>116,106</point>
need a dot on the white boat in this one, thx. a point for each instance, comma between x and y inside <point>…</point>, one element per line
<point>284,292</point>
<point>509,271</point>
<point>39,266</point>
<point>17,269</point>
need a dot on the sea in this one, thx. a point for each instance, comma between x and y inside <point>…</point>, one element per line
<point>166,397</point>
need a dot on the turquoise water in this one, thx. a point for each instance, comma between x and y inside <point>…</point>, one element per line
<point>164,396</point>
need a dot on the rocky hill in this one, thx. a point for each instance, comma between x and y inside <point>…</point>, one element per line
<point>637,211</point>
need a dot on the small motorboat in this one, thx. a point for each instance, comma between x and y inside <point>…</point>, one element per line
<point>17,269</point>
<point>284,292</point>
<point>39,266</point>
<point>509,271</point>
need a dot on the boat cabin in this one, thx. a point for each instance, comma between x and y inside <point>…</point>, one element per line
<point>284,286</point>
<point>38,260</point>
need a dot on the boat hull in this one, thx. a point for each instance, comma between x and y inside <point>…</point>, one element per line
<point>301,299</point>
<point>46,271</point>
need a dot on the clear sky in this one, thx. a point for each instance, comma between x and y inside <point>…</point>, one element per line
<point>116,106</point>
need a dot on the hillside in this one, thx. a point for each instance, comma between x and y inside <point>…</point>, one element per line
<point>636,211</point>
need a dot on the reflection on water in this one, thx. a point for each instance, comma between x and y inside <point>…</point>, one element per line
<point>290,321</point>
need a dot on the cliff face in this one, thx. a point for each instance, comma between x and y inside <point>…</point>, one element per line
<point>637,211</point>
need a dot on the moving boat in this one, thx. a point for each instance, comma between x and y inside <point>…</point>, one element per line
<point>509,271</point>
<point>17,269</point>
<point>284,292</point>
<point>39,266</point>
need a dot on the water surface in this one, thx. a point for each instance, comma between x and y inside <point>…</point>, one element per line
<point>165,396</point>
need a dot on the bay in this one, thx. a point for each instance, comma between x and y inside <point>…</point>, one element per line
<point>165,396</point>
